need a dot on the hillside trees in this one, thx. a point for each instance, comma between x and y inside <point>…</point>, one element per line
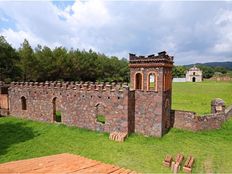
<point>46,64</point>
<point>8,61</point>
<point>179,71</point>
<point>27,63</point>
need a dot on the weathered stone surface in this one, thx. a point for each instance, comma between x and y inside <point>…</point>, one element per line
<point>217,105</point>
<point>77,107</point>
<point>190,121</point>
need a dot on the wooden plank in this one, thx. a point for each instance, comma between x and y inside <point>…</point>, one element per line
<point>62,163</point>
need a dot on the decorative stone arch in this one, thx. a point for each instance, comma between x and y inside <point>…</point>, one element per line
<point>24,103</point>
<point>138,80</point>
<point>155,81</point>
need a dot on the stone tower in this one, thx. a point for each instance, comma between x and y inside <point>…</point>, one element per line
<point>151,79</point>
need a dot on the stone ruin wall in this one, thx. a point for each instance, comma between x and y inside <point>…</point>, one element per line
<point>125,110</point>
<point>191,121</point>
<point>221,78</point>
<point>143,111</point>
<point>78,103</point>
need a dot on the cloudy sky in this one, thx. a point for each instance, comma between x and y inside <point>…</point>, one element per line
<point>191,31</point>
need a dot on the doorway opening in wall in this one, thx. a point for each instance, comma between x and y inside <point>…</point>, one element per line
<point>138,81</point>
<point>151,81</point>
<point>194,79</point>
<point>100,110</point>
<point>56,113</point>
<point>24,103</point>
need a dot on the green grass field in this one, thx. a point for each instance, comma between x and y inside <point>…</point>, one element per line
<point>22,139</point>
<point>197,96</point>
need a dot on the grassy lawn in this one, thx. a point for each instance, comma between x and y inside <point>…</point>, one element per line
<point>21,139</point>
<point>197,96</point>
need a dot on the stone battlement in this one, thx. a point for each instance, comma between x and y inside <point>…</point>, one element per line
<point>88,86</point>
<point>162,59</point>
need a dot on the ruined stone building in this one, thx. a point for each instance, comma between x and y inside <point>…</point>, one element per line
<point>144,107</point>
<point>194,74</point>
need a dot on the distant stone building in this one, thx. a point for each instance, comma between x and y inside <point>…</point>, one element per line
<point>194,74</point>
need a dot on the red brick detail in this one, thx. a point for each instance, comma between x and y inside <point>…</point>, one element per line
<point>118,136</point>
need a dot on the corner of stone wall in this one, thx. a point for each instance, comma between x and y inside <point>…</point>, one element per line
<point>228,112</point>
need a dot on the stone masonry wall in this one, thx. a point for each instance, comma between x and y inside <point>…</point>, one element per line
<point>148,113</point>
<point>190,121</point>
<point>167,100</point>
<point>78,103</point>
<point>228,112</point>
<point>166,119</point>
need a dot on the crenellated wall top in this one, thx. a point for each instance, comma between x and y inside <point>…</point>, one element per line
<point>87,86</point>
<point>160,60</point>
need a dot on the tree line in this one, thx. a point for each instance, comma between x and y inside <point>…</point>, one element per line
<point>46,64</point>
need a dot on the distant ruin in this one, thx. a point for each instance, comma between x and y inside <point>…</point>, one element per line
<point>194,74</point>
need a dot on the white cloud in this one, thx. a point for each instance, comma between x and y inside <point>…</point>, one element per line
<point>3,19</point>
<point>16,38</point>
<point>224,24</point>
<point>88,14</point>
<point>191,31</point>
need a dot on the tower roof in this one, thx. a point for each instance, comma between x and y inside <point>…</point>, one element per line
<point>160,60</point>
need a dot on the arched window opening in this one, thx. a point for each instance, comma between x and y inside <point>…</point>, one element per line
<point>100,111</point>
<point>138,81</point>
<point>24,103</point>
<point>151,81</point>
<point>56,114</point>
<point>194,73</point>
